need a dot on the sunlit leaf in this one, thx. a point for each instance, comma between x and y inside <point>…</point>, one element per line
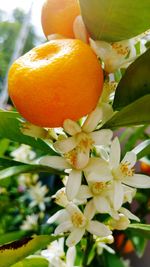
<point>137,113</point>
<point>135,82</point>
<point>35,261</point>
<point>115,20</point>
<point>18,250</point>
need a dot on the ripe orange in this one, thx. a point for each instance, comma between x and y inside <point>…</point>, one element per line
<point>58,17</point>
<point>145,167</point>
<point>124,245</point>
<point>58,80</point>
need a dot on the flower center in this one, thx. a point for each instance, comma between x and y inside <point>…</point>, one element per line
<point>98,187</point>
<point>84,141</point>
<point>78,220</point>
<point>126,170</point>
<point>71,157</point>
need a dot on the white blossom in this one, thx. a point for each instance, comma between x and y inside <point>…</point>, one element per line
<point>30,223</point>
<point>76,148</point>
<point>118,54</point>
<point>38,197</point>
<point>56,256</point>
<point>97,168</point>
<point>124,174</point>
<point>74,221</point>
<point>23,153</point>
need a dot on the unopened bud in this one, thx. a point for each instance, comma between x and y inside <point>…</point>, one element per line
<point>79,29</point>
<point>34,131</point>
<point>120,224</point>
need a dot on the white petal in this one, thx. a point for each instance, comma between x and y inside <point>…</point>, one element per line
<point>107,111</point>
<point>129,214</point>
<point>82,159</point>
<point>129,193</point>
<point>72,208</point>
<point>63,227</point>
<point>138,181</point>
<point>79,29</point>
<point>92,120</point>
<point>65,145</point>
<point>84,192</point>
<point>102,204</point>
<point>103,153</point>
<point>71,127</point>
<point>60,216</point>
<point>118,195</point>
<point>89,210</point>
<point>115,153</point>
<point>97,228</point>
<point>55,162</point>
<point>75,237</point>
<point>73,184</point>
<point>70,257</point>
<point>97,171</point>
<point>101,137</point>
<point>131,158</point>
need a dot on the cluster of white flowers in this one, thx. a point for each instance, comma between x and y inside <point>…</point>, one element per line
<point>56,255</point>
<point>98,181</point>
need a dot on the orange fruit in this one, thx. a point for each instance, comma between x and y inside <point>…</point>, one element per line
<point>61,79</point>
<point>124,245</point>
<point>145,167</point>
<point>58,17</point>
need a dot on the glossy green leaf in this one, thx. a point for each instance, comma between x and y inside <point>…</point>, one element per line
<point>10,129</point>
<point>34,261</point>
<point>10,237</point>
<point>140,229</point>
<point>135,82</point>
<point>142,149</point>
<point>18,250</point>
<point>137,113</point>
<point>115,20</point>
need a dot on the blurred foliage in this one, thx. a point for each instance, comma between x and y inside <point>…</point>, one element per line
<point>9,31</point>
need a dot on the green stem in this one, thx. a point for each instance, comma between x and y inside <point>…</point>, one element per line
<point>88,248</point>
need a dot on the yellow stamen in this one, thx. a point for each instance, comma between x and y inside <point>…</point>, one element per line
<point>78,220</point>
<point>126,170</point>
<point>98,187</point>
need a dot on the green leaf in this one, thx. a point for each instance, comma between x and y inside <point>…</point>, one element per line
<point>115,20</point>
<point>135,82</point>
<point>34,261</point>
<point>139,244</point>
<point>27,168</point>
<point>10,129</point>
<point>4,143</point>
<point>137,113</point>
<point>10,237</point>
<point>142,149</point>
<point>18,250</point>
<point>6,162</point>
<point>112,260</point>
<point>142,230</point>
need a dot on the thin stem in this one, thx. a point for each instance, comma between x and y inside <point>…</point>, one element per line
<point>88,248</point>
